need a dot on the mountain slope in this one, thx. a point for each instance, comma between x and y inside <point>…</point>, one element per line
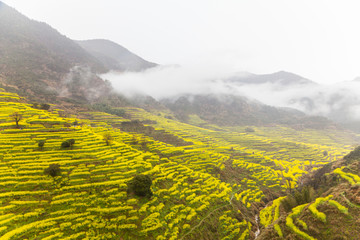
<point>281,77</point>
<point>206,184</point>
<point>232,110</point>
<point>332,207</point>
<point>37,44</point>
<point>35,56</point>
<point>114,56</point>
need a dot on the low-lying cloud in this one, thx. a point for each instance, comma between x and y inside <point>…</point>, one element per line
<point>169,81</point>
<point>340,102</point>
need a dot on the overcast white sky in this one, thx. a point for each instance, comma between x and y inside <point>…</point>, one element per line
<point>318,39</point>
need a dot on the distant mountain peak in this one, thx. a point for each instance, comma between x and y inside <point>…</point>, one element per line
<point>280,77</point>
<point>38,60</point>
<point>115,56</point>
<point>286,74</point>
<point>357,79</point>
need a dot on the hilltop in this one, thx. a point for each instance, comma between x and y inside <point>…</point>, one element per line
<point>35,57</point>
<point>281,78</point>
<point>39,62</point>
<point>114,56</point>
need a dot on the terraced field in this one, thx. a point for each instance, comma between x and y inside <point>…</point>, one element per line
<point>212,187</point>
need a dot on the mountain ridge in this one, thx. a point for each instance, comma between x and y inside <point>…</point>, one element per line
<point>36,57</point>
<point>230,110</point>
<point>39,62</point>
<point>114,56</point>
<point>281,77</point>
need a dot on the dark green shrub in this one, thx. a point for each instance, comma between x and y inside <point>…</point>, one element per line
<point>289,203</point>
<point>103,107</point>
<point>44,106</point>
<point>71,141</point>
<point>306,195</point>
<point>53,170</point>
<point>249,129</point>
<point>35,105</point>
<point>68,143</point>
<point>325,153</point>
<point>41,143</point>
<point>140,186</point>
<point>65,144</point>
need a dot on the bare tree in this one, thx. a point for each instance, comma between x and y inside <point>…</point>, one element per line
<point>16,116</point>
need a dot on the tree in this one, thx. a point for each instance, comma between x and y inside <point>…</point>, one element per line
<point>140,186</point>
<point>44,106</point>
<point>65,144</point>
<point>72,142</point>
<point>306,195</point>
<point>53,170</point>
<point>16,116</point>
<point>41,143</point>
<point>107,138</point>
<point>35,105</point>
<point>68,143</point>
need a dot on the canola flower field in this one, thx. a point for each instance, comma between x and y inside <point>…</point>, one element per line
<point>200,190</point>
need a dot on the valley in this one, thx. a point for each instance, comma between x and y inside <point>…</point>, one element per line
<point>96,142</point>
<point>211,188</point>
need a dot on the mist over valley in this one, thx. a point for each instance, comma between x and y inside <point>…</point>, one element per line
<point>339,102</point>
<point>167,120</point>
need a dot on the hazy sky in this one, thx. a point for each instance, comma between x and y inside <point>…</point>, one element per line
<point>318,39</point>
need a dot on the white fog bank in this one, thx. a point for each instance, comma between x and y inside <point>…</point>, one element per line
<point>339,101</point>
